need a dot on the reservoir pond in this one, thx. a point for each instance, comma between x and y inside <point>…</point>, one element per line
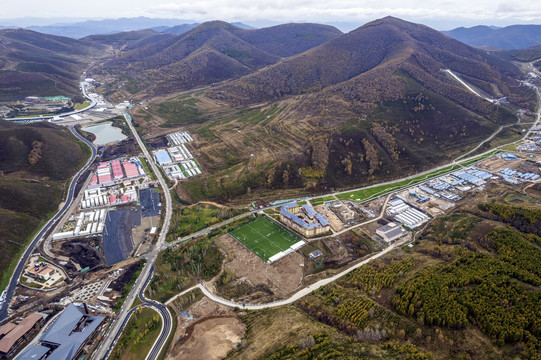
<point>105,133</point>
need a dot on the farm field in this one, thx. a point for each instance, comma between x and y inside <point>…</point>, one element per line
<point>264,238</point>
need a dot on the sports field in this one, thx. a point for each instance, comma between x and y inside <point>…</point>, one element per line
<point>264,237</point>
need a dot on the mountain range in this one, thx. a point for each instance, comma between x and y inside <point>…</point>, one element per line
<point>209,53</point>
<point>353,109</point>
<point>509,38</point>
<point>343,109</point>
<point>81,29</point>
<point>32,63</point>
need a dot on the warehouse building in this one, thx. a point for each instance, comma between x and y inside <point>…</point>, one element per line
<point>391,232</point>
<point>406,214</point>
<point>162,157</point>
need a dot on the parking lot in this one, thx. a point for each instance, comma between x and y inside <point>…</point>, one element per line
<point>150,202</point>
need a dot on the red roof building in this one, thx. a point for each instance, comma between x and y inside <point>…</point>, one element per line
<point>94,180</point>
<point>117,169</point>
<point>130,169</point>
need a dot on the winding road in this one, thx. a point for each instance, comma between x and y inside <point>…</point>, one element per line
<point>307,290</point>
<point>162,311</point>
<point>69,198</point>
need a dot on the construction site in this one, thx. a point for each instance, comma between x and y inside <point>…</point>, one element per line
<point>94,250</point>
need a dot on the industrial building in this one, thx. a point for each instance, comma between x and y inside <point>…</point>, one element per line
<point>306,221</point>
<point>179,153</point>
<point>163,158</point>
<point>112,172</point>
<point>391,232</point>
<point>66,337</point>
<point>179,138</point>
<point>13,336</point>
<point>517,174</point>
<point>406,214</point>
<point>93,220</point>
<point>176,161</point>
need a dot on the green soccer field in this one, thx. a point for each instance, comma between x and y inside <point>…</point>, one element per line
<point>264,237</point>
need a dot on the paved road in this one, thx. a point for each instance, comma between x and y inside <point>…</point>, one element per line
<point>305,291</point>
<point>69,198</point>
<point>299,294</point>
<point>93,103</point>
<point>146,274</point>
<point>162,311</point>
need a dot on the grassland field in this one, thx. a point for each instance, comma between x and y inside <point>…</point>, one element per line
<point>264,237</point>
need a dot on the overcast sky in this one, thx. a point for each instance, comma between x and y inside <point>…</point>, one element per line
<point>441,14</point>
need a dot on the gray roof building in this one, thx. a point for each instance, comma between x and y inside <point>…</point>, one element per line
<point>391,232</point>
<point>66,337</point>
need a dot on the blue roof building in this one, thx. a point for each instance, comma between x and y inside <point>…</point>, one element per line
<point>66,337</point>
<point>288,215</point>
<point>163,157</point>
<point>309,210</point>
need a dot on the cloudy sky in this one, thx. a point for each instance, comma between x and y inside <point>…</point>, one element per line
<point>441,14</point>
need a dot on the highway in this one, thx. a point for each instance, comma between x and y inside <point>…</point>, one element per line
<point>123,315</point>
<point>69,198</point>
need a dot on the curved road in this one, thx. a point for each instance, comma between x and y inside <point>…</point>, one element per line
<point>162,311</point>
<point>323,282</point>
<point>93,103</point>
<point>299,294</point>
<point>71,192</point>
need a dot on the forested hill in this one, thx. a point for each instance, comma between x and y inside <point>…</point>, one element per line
<point>32,63</point>
<point>35,163</point>
<point>377,47</point>
<point>212,52</point>
<point>360,108</point>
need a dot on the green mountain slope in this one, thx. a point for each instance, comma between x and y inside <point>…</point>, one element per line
<point>35,163</point>
<point>363,107</point>
<point>43,65</point>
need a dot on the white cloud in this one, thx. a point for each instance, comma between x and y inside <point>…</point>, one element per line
<point>354,11</point>
<point>344,10</point>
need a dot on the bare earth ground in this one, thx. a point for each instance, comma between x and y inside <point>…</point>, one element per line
<point>282,277</point>
<point>213,332</point>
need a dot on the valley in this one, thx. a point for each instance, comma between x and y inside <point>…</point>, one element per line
<point>375,193</point>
